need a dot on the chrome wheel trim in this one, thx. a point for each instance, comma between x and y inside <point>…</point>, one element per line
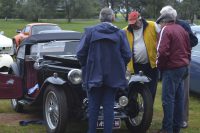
<point>51,110</point>
<point>136,121</point>
<point>14,102</point>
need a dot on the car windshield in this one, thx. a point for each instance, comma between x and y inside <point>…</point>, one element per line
<point>55,48</point>
<point>38,28</point>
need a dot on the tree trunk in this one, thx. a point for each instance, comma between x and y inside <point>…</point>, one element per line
<point>112,4</point>
<point>127,10</point>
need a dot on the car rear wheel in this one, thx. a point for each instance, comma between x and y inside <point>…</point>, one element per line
<point>140,109</point>
<point>55,109</point>
<point>14,102</point>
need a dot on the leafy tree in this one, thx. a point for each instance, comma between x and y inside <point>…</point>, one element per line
<point>191,9</point>
<point>32,10</point>
<point>80,9</point>
<point>7,8</point>
<point>49,8</point>
<point>152,8</point>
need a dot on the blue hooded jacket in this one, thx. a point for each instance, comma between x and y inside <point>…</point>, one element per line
<point>104,53</point>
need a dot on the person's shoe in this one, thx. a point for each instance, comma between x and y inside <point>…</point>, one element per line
<point>184,124</point>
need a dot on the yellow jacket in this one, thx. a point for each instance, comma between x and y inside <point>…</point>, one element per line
<point>150,38</point>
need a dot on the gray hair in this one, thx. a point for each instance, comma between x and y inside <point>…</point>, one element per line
<point>106,15</point>
<point>168,10</point>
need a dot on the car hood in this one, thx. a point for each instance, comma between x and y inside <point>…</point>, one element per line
<point>65,59</point>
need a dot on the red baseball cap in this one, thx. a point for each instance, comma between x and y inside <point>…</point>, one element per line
<point>133,16</point>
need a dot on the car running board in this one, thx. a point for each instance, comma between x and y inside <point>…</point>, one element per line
<point>25,102</point>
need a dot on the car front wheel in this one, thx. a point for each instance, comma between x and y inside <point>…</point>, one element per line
<point>140,109</point>
<point>55,109</point>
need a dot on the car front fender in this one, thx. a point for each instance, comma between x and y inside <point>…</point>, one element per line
<point>52,80</point>
<point>139,78</point>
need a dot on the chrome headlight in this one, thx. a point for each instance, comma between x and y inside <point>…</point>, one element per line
<point>75,76</point>
<point>123,101</point>
<point>128,75</point>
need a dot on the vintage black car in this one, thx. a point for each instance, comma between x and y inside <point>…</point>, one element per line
<point>47,73</point>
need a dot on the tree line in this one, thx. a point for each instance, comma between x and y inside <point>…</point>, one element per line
<point>33,10</point>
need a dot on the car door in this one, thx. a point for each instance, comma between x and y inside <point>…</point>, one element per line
<point>10,86</point>
<point>11,83</point>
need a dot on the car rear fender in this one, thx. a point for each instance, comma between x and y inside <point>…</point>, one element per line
<point>14,68</point>
<point>138,79</point>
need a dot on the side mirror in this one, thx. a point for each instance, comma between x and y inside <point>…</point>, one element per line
<point>18,31</point>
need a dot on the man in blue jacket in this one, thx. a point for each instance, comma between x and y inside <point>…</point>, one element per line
<point>103,54</point>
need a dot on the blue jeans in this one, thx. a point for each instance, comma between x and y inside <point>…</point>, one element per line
<point>172,99</point>
<point>152,73</point>
<point>104,96</point>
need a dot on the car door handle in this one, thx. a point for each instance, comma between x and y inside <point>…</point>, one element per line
<point>10,82</point>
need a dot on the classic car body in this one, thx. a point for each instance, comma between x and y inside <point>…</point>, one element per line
<point>32,29</point>
<point>47,73</point>
<point>195,63</point>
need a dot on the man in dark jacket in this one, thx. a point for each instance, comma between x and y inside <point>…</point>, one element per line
<point>173,57</point>
<point>103,54</point>
<point>193,42</point>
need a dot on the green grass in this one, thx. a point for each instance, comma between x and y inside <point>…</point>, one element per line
<point>81,127</point>
<point>24,129</point>
<point>10,26</point>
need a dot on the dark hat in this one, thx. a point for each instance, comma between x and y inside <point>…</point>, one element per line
<point>166,18</point>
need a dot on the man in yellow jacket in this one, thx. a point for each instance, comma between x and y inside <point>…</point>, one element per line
<point>142,37</point>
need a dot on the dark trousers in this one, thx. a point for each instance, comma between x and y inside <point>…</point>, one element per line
<point>104,96</point>
<point>149,72</point>
<point>187,96</point>
<point>172,99</point>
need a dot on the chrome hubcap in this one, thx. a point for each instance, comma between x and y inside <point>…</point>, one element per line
<point>51,110</point>
<point>135,121</point>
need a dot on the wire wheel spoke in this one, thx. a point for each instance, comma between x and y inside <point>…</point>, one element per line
<point>52,111</point>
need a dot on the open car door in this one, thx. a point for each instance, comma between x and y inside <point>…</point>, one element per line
<point>10,86</point>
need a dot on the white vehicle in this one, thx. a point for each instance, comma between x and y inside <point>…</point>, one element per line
<point>6,50</point>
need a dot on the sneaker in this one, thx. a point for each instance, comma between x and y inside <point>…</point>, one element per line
<point>184,124</point>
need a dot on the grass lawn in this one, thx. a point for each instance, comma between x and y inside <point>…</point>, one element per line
<point>9,27</point>
<point>13,125</point>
